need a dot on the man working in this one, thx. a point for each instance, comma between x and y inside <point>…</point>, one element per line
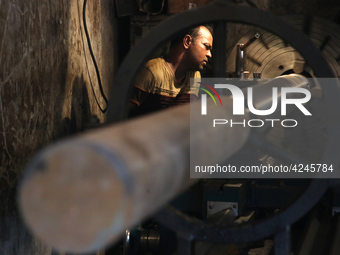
<point>165,82</point>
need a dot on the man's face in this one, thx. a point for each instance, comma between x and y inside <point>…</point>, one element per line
<point>200,49</point>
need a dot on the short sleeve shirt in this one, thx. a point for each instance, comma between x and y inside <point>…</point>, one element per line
<point>157,87</point>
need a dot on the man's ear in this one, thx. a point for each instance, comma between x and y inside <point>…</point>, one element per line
<point>187,40</point>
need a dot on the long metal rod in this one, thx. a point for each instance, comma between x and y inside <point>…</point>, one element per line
<point>81,194</point>
<point>250,41</point>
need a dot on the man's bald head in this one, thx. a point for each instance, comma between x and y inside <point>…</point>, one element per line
<point>193,32</point>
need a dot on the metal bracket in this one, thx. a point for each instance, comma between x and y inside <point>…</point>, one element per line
<point>214,207</point>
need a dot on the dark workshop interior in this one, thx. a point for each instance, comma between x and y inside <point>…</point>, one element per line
<point>66,69</point>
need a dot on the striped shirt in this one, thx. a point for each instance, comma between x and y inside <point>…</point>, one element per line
<point>156,88</point>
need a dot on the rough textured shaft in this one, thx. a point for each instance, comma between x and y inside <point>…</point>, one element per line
<point>81,194</point>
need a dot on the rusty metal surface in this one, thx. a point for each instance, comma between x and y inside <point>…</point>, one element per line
<point>45,90</point>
